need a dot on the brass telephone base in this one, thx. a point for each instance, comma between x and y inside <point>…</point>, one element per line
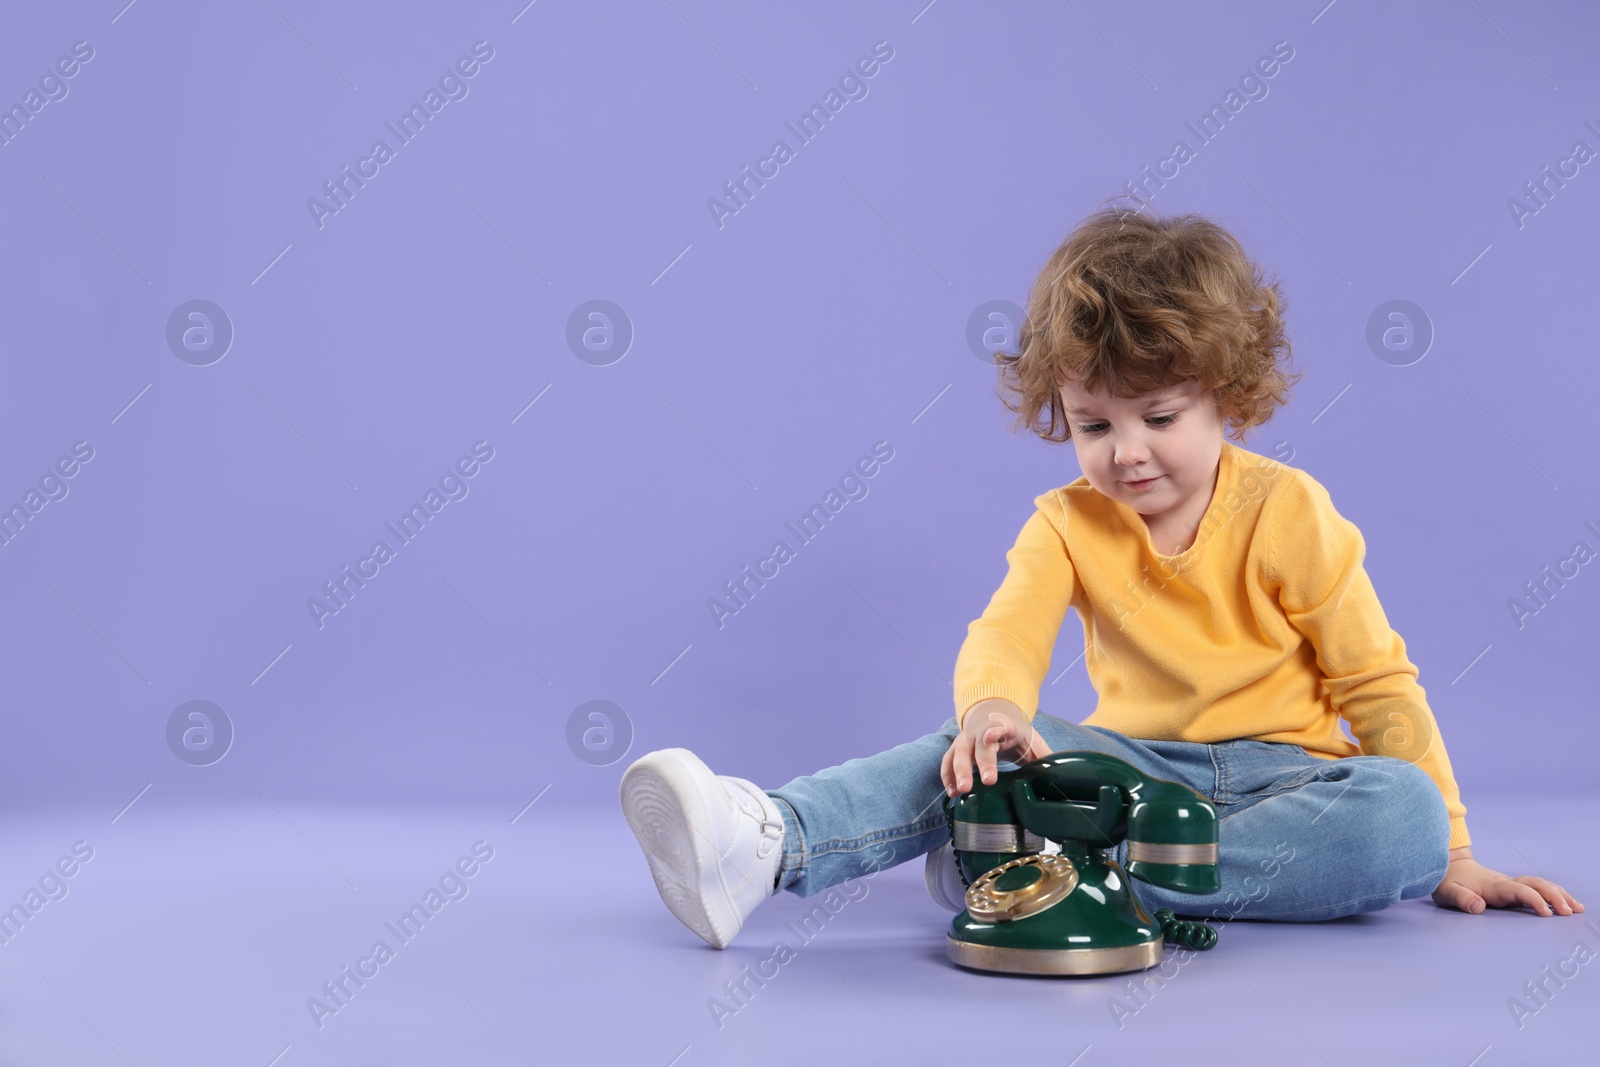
<point>1054,960</point>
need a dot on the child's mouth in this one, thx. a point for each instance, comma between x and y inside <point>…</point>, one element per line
<point>1145,484</point>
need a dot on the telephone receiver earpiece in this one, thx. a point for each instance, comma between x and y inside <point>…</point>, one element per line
<point>1171,830</point>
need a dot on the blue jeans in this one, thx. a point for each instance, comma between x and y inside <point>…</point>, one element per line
<point>1299,838</point>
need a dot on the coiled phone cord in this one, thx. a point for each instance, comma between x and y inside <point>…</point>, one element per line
<point>1195,935</point>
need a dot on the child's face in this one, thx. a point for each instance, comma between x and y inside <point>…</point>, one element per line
<point>1172,435</point>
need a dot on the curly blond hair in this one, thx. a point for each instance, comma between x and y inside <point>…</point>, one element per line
<point>1130,303</point>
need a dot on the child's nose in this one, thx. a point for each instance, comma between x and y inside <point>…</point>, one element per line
<point>1130,450</point>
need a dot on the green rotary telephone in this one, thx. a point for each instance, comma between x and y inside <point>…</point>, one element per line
<point>1073,912</point>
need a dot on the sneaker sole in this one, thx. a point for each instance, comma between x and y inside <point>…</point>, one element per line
<point>663,803</point>
<point>933,880</point>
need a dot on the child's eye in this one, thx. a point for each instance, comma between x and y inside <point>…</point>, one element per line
<point>1094,429</point>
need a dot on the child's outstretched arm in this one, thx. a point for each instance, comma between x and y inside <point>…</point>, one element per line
<point>1470,886</point>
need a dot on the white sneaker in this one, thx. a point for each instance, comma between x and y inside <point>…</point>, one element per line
<point>943,880</point>
<point>714,842</point>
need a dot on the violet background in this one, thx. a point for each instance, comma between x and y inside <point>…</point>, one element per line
<point>769,354</point>
<point>823,317</point>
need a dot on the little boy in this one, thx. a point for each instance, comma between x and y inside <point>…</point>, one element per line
<point>1228,626</point>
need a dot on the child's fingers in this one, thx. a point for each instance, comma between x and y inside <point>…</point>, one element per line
<point>993,737</point>
<point>961,763</point>
<point>982,747</point>
<point>949,770</point>
<point>1559,899</point>
<point>1563,902</point>
<point>1458,896</point>
<point>1508,892</point>
<point>960,759</point>
<point>1521,893</point>
<point>1542,895</point>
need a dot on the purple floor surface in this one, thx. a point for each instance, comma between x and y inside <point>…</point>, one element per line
<point>206,937</point>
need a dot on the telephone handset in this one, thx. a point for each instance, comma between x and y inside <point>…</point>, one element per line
<point>1029,911</point>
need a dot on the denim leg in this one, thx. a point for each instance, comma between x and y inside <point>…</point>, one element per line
<point>1185,762</point>
<point>878,811</point>
<point>863,815</point>
<point>1308,839</point>
<point>1300,838</point>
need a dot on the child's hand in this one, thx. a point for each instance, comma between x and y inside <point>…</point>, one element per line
<point>991,728</point>
<point>1468,886</point>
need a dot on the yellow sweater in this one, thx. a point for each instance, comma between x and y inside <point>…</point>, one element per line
<point>1267,627</point>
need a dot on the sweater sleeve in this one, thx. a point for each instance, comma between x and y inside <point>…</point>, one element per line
<point>1314,556</point>
<point>1007,649</point>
